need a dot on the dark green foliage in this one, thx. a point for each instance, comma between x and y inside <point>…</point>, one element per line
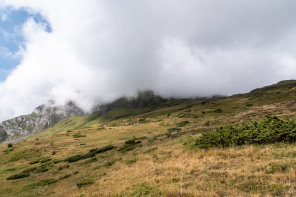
<point>9,145</point>
<point>8,150</point>
<point>63,167</point>
<point>170,130</point>
<point>132,141</point>
<point>182,123</point>
<point>39,184</point>
<point>28,170</point>
<point>130,145</point>
<point>55,161</point>
<point>35,161</point>
<point>86,181</point>
<point>130,161</point>
<point>270,130</point>
<point>144,189</point>
<point>74,158</point>
<point>207,123</point>
<point>45,159</point>
<point>9,170</point>
<point>90,154</point>
<point>78,135</point>
<point>174,129</point>
<point>18,176</point>
<point>66,176</point>
<point>217,111</point>
<point>111,162</point>
<point>142,120</point>
<point>44,167</point>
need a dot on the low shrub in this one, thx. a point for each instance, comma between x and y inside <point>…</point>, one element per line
<point>7,150</point>
<point>9,145</point>
<point>39,184</point>
<point>90,154</point>
<point>182,123</point>
<point>270,130</point>
<point>86,181</point>
<point>18,176</point>
<point>111,162</point>
<point>44,167</point>
<point>130,145</point>
<point>130,161</point>
<point>78,135</point>
<point>45,159</point>
<point>144,189</point>
<point>35,161</point>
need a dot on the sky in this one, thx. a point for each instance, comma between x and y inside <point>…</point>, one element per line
<point>94,51</point>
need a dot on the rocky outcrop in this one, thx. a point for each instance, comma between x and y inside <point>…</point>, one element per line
<point>40,119</point>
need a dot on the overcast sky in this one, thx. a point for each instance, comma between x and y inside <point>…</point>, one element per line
<point>97,50</point>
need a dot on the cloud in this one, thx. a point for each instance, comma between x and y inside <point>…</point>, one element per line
<point>100,50</point>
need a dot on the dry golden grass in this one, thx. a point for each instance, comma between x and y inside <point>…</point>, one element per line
<point>161,167</point>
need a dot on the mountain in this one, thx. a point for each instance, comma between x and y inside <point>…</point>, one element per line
<point>241,145</point>
<point>48,115</point>
<point>43,117</point>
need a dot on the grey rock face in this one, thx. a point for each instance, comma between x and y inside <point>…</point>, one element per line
<point>41,118</point>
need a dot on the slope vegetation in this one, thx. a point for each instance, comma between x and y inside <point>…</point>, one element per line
<point>155,150</point>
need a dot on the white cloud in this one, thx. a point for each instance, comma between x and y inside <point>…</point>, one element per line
<point>99,50</point>
<point>4,17</point>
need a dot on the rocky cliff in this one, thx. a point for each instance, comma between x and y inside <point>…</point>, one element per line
<point>40,119</point>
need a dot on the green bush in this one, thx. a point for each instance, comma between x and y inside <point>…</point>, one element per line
<point>39,183</point>
<point>44,167</point>
<point>78,135</point>
<point>86,181</point>
<point>9,145</point>
<point>45,159</point>
<point>270,130</point>
<point>35,161</point>
<point>90,154</point>
<point>18,176</point>
<point>130,145</point>
<point>182,123</point>
<point>144,189</point>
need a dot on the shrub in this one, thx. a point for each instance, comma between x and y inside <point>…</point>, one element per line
<point>218,111</point>
<point>111,162</point>
<point>269,130</point>
<point>7,150</point>
<point>144,189</point>
<point>9,145</point>
<point>63,167</point>
<point>18,176</point>
<point>35,161</point>
<point>130,145</point>
<point>45,159</point>
<point>78,135</point>
<point>182,123</point>
<point>39,183</point>
<point>130,161</point>
<point>44,167</point>
<point>90,154</point>
<point>86,181</point>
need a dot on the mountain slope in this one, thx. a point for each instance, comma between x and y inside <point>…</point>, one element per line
<point>41,118</point>
<point>83,156</point>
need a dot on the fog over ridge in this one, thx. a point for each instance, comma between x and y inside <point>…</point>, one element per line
<point>101,50</point>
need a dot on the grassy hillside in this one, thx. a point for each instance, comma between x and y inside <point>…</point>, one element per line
<point>155,151</point>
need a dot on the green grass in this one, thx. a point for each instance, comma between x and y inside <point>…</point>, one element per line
<point>145,161</point>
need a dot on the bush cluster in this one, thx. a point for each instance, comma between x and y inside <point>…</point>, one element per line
<point>18,176</point>
<point>90,154</point>
<point>182,123</point>
<point>130,145</point>
<point>270,130</point>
